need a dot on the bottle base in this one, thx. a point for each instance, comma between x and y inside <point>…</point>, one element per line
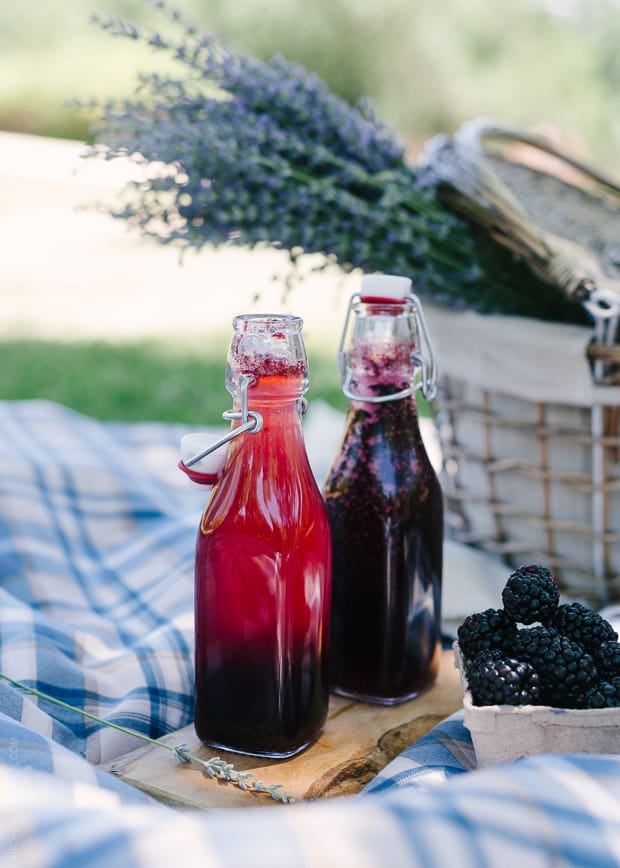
<point>380,700</point>
<point>265,754</point>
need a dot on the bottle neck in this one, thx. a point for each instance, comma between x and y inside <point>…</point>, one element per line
<point>264,382</point>
<point>380,371</point>
<point>394,421</point>
<point>378,356</point>
<point>278,400</point>
<point>373,412</point>
<point>275,454</point>
<point>267,350</point>
<point>272,391</point>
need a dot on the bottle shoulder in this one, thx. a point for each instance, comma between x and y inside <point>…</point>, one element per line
<point>382,451</point>
<point>393,425</point>
<point>267,485</point>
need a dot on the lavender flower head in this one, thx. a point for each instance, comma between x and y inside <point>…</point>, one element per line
<point>264,153</point>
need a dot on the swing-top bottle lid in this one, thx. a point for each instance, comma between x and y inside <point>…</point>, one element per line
<point>207,469</point>
<point>385,288</point>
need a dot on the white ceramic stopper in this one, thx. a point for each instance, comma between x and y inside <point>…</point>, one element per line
<point>385,286</point>
<point>210,465</point>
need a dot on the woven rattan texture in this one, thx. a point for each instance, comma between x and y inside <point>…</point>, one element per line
<point>534,483</point>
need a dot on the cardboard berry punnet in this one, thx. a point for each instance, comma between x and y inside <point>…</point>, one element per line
<point>501,733</point>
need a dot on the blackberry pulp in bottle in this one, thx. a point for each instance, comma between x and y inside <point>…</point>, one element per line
<point>385,507</point>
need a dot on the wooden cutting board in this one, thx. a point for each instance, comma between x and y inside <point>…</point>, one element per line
<point>358,741</point>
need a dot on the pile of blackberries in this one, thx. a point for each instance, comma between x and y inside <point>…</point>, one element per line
<point>536,651</point>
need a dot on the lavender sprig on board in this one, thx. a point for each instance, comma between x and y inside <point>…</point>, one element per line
<point>213,767</point>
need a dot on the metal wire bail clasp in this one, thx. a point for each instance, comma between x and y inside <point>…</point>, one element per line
<point>426,356</point>
<point>424,373</point>
<point>251,423</point>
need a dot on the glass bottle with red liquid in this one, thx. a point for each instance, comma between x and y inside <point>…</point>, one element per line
<point>385,505</point>
<point>263,559</point>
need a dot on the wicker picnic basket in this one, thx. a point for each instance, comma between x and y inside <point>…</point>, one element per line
<point>528,410</point>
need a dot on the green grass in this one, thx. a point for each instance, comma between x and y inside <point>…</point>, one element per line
<point>168,381</point>
<point>149,380</point>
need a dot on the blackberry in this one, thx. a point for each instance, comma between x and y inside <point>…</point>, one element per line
<point>582,625</point>
<point>607,659</point>
<point>531,594</point>
<point>487,656</point>
<point>565,668</point>
<point>503,681</point>
<point>603,694</point>
<point>483,630</point>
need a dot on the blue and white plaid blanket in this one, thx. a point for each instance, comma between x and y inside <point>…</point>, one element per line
<point>97,533</point>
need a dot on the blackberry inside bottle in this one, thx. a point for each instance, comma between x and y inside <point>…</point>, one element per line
<point>385,507</point>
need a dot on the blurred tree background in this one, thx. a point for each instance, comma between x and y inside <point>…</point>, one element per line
<point>427,65</point>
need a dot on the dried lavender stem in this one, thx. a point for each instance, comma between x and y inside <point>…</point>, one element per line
<point>214,767</point>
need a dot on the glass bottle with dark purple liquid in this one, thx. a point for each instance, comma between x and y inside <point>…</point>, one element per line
<point>385,507</point>
<point>263,561</point>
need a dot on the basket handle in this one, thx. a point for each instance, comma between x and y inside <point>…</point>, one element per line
<point>477,191</point>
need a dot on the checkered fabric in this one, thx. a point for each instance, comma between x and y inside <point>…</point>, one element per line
<point>57,810</point>
<point>97,533</point>
<point>97,530</point>
<point>445,751</point>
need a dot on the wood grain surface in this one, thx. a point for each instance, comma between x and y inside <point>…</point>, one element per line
<point>357,742</point>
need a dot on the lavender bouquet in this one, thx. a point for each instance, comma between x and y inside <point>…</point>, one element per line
<point>262,153</point>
